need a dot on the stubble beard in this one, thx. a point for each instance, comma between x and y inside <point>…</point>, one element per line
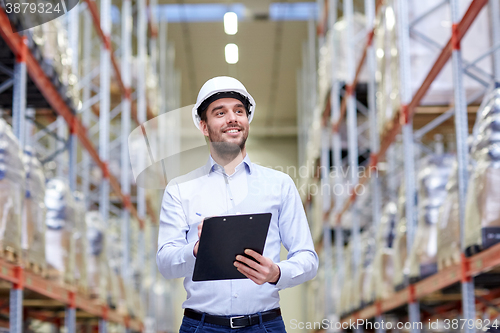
<point>226,150</point>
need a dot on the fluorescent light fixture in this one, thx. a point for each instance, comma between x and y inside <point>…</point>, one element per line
<point>231,53</point>
<point>230,23</point>
<point>390,18</point>
<point>214,12</point>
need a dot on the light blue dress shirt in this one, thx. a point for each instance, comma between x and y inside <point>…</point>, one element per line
<point>252,188</point>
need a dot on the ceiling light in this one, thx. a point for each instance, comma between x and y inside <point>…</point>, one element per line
<point>390,18</point>
<point>230,23</point>
<point>231,53</point>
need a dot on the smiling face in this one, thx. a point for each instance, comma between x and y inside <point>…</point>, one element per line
<point>226,122</point>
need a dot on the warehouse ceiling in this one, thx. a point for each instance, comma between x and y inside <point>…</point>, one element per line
<point>270,53</point>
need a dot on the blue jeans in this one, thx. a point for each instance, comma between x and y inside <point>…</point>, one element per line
<point>195,326</point>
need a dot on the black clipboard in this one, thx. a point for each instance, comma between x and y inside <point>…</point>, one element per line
<point>223,238</point>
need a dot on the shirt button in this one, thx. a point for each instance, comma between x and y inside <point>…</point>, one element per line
<point>235,295</point>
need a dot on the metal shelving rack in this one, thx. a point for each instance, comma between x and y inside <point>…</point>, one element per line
<point>83,126</point>
<point>381,145</point>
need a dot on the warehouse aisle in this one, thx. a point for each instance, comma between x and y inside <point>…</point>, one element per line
<point>384,113</point>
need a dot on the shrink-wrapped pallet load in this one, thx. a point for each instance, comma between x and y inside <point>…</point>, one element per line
<point>80,240</point>
<point>12,192</point>
<point>113,286</point>
<point>368,255</point>
<point>400,252</point>
<point>96,260</point>
<point>114,255</point>
<point>482,213</point>
<point>134,303</point>
<point>315,215</point>
<point>387,67</point>
<point>431,181</point>
<point>122,306</point>
<point>363,216</point>
<point>347,283</point>
<point>56,58</point>
<point>422,56</point>
<point>133,300</point>
<point>448,241</point>
<point>383,267</point>
<point>60,222</point>
<point>33,218</point>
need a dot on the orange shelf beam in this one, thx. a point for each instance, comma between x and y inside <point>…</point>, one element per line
<point>479,263</point>
<point>64,294</point>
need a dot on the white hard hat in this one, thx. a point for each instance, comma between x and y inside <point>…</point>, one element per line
<point>221,84</point>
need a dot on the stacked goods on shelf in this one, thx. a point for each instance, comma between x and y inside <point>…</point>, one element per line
<point>482,213</point>
<point>12,193</point>
<point>134,301</point>
<point>363,216</point>
<point>339,38</point>
<point>364,207</point>
<point>96,260</point>
<point>423,53</point>
<point>400,252</point>
<point>80,240</point>
<point>383,267</point>
<point>448,242</point>
<point>363,272</point>
<point>33,219</point>
<point>346,297</point>
<point>56,58</point>
<point>146,278</point>
<point>60,221</point>
<point>431,180</point>
<point>153,94</point>
<point>367,290</point>
<point>387,67</point>
<point>317,211</point>
<point>117,292</point>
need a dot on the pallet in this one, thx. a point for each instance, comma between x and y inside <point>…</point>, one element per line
<point>97,301</point>
<point>96,297</point>
<point>36,268</point>
<point>11,255</point>
<point>82,290</point>
<point>447,260</point>
<point>55,275</point>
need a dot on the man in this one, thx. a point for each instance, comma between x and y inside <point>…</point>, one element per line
<point>230,184</point>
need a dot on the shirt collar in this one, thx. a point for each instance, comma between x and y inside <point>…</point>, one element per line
<point>212,165</point>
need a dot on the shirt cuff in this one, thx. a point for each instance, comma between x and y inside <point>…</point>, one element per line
<point>279,277</point>
<point>189,257</point>
<point>285,276</point>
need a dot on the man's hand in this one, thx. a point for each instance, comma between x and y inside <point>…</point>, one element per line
<point>195,249</point>
<point>265,270</point>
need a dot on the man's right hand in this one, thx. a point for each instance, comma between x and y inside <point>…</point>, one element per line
<point>195,249</point>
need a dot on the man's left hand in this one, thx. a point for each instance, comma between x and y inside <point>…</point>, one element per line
<point>265,270</point>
